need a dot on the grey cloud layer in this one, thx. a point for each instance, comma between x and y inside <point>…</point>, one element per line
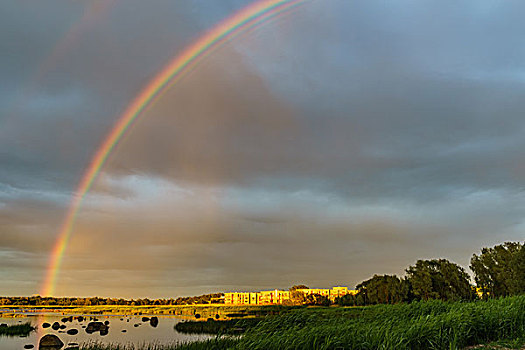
<point>342,133</point>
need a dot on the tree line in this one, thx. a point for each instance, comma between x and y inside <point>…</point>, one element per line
<point>498,272</point>
<point>37,300</point>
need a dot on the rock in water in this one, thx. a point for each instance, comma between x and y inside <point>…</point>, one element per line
<point>29,346</point>
<point>46,325</point>
<point>55,326</point>
<point>50,342</point>
<point>72,331</point>
<point>96,327</point>
<point>144,319</point>
<point>154,321</point>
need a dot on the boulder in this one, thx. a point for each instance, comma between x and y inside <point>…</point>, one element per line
<point>80,318</point>
<point>63,326</point>
<point>96,327</point>
<point>46,325</point>
<point>145,319</point>
<point>50,342</point>
<point>72,331</point>
<point>154,321</point>
<point>56,326</point>
<point>29,346</point>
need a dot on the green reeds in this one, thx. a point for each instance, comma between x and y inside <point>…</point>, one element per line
<point>416,326</point>
<point>212,326</point>
<point>19,330</point>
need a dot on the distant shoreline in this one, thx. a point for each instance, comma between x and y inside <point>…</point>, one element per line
<point>197,311</point>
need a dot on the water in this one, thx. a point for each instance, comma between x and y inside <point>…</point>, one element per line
<point>164,333</point>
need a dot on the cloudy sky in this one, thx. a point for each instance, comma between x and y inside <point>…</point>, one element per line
<point>342,139</point>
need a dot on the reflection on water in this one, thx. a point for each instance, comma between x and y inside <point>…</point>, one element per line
<point>106,329</point>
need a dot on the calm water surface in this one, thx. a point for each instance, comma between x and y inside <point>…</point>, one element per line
<point>164,333</point>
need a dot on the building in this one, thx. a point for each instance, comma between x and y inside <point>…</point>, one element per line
<point>276,296</point>
<point>272,297</point>
<point>266,297</point>
<point>337,292</point>
<point>241,298</point>
<point>331,294</point>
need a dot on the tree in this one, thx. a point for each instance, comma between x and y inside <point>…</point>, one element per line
<point>317,299</point>
<point>519,265</point>
<point>299,286</point>
<point>346,300</point>
<point>383,289</point>
<point>297,297</point>
<point>439,279</point>
<point>500,271</point>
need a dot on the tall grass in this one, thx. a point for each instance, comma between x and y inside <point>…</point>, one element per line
<point>210,344</point>
<point>22,330</point>
<point>419,325</point>
<point>217,327</point>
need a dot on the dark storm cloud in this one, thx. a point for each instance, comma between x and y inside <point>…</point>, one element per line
<point>342,140</point>
<point>409,101</point>
<point>67,76</point>
<point>420,98</point>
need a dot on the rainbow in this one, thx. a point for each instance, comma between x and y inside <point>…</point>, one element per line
<point>245,19</point>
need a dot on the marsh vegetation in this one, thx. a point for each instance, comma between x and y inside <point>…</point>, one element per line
<point>18,330</point>
<point>421,325</point>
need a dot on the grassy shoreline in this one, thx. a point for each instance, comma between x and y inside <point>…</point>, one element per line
<point>416,326</point>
